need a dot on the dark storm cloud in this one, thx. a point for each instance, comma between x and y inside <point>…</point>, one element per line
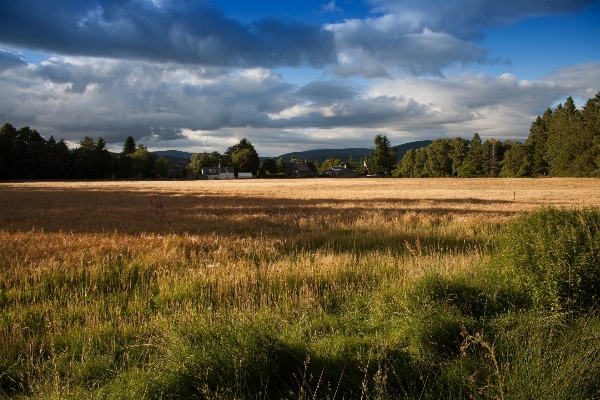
<point>467,19</point>
<point>367,113</point>
<point>426,37</point>
<point>328,91</point>
<point>374,46</point>
<point>10,60</point>
<point>77,76</point>
<point>185,32</point>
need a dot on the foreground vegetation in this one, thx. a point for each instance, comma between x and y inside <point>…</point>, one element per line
<point>252,290</point>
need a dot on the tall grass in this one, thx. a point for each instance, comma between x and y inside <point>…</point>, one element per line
<point>555,253</point>
<point>308,302</point>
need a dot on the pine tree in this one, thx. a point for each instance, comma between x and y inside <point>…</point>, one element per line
<point>564,140</point>
<point>460,149</point>
<point>537,144</point>
<point>383,157</point>
<point>129,147</point>
<point>476,154</point>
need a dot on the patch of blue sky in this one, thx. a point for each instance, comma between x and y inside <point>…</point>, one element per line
<point>299,76</point>
<point>33,57</point>
<point>539,46</point>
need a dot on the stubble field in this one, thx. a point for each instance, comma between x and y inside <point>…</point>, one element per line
<point>319,288</point>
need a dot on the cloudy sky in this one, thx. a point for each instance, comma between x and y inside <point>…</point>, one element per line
<point>292,75</point>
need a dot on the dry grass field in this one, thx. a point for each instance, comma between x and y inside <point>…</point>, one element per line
<point>251,289</point>
<point>181,206</point>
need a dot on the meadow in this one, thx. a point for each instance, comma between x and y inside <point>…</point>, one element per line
<point>300,289</point>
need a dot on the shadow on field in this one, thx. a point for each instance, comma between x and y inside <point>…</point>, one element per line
<point>85,211</point>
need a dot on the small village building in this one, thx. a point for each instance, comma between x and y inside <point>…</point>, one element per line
<point>244,175</point>
<point>341,171</point>
<point>214,173</point>
<point>299,170</point>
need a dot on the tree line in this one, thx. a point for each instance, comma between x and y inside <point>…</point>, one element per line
<point>242,156</point>
<point>25,154</point>
<point>563,142</point>
<point>381,162</point>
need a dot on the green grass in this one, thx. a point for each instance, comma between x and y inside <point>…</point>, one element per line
<point>321,319</point>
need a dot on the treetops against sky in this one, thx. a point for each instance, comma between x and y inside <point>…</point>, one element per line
<point>292,75</point>
<point>562,142</point>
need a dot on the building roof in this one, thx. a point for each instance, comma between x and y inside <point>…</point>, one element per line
<point>217,170</point>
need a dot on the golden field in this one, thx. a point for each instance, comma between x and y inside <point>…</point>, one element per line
<point>128,272</point>
<point>183,206</point>
<point>104,219</point>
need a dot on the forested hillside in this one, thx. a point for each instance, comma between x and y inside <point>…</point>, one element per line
<point>562,142</point>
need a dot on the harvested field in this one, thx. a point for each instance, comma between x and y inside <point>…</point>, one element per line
<point>316,288</point>
<point>180,206</point>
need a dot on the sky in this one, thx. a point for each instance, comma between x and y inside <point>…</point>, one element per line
<point>292,75</point>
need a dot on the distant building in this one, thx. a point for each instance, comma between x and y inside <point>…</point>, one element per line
<point>244,175</point>
<point>214,173</point>
<point>341,171</point>
<point>299,170</point>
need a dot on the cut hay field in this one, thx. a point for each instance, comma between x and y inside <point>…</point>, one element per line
<point>317,288</point>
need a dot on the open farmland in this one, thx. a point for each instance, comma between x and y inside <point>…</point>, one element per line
<point>320,288</point>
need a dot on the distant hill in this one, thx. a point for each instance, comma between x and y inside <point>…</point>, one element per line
<point>344,154</point>
<point>324,154</point>
<point>173,155</point>
<point>403,148</point>
<point>311,155</point>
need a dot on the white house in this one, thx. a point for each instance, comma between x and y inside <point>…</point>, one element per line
<point>213,173</point>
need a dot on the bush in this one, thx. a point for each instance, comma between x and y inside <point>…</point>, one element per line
<point>555,254</point>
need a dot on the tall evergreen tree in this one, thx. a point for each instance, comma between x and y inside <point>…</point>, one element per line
<point>383,156</point>
<point>129,147</point>
<point>565,142</point>
<point>460,149</point>
<point>8,135</point>
<point>493,152</point>
<point>537,144</point>
<point>104,167</point>
<point>475,159</point>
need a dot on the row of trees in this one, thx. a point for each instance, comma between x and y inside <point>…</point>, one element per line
<point>563,142</point>
<point>242,156</point>
<point>25,154</point>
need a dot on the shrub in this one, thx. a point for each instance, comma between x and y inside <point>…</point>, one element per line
<point>555,254</point>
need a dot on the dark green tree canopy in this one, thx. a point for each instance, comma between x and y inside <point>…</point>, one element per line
<point>243,157</point>
<point>270,166</point>
<point>383,156</point>
<point>129,147</point>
